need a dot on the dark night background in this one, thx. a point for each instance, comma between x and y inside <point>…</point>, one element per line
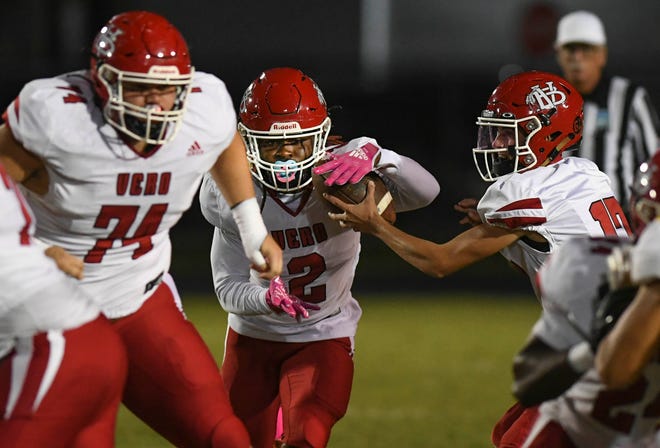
<point>414,74</point>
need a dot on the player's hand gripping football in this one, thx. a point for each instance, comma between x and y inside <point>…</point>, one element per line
<point>362,217</point>
<point>360,157</point>
<point>280,301</point>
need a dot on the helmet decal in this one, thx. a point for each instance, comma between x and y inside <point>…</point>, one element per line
<point>104,44</point>
<point>545,97</point>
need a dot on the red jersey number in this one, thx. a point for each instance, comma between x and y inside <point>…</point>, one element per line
<point>608,213</point>
<point>312,265</point>
<point>125,215</point>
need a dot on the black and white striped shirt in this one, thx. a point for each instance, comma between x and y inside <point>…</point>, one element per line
<point>621,129</point>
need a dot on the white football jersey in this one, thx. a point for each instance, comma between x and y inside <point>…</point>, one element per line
<point>319,256</point>
<point>30,280</point>
<point>560,201</point>
<point>591,415</point>
<point>105,203</point>
<point>645,258</point>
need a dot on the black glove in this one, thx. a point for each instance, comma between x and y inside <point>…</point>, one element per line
<point>608,309</point>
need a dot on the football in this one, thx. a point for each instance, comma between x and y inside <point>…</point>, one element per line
<point>355,193</point>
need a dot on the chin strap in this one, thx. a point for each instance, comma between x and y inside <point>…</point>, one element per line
<point>545,121</point>
<point>557,150</point>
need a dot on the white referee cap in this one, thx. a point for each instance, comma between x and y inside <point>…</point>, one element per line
<point>580,26</point>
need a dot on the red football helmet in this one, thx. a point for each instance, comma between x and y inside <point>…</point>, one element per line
<point>645,197</point>
<point>283,104</point>
<point>141,47</point>
<point>530,119</point>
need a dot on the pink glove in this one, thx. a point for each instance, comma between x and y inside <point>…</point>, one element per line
<point>360,158</point>
<point>279,300</point>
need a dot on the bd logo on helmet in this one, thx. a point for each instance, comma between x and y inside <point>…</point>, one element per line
<point>105,41</point>
<point>547,97</point>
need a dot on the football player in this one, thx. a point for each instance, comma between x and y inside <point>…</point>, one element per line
<point>635,339</point>
<point>290,341</point>
<point>63,367</point>
<point>537,201</point>
<point>555,368</point>
<point>110,158</point>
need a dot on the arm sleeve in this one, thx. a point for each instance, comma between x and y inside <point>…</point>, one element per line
<point>411,185</point>
<point>231,277</point>
<point>229,265</point>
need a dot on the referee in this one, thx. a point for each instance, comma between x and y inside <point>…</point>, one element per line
<point>621,126</point>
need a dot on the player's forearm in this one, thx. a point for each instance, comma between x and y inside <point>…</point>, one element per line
<point>441,260</point>
<point>424,255</point>
<point>635,339</point>
<point>242,298</point>
<point>231,173</point>
<point>231,278</point>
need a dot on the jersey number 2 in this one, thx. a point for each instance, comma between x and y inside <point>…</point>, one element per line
<point>125,216</point>
<point>312,266</point>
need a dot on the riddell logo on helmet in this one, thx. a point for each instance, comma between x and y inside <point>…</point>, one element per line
<point>163,70</point>
<point>284,127</point>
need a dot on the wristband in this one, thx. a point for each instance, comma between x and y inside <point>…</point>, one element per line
<point>580,357</point>
<point>252,229</point>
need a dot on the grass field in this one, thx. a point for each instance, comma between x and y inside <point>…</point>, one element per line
<point>431,371</point>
